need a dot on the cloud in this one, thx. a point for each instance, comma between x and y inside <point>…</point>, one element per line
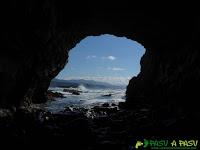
<point>108,79</point>
<point>91,56</point>
<point>116,69</point>
<point>109,57</point>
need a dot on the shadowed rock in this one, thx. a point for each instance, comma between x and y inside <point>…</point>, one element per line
<point>107,95</point>
<point>35,48</point>
<point>52,95</point>
<point>36,38</point>
<point>73,91</point>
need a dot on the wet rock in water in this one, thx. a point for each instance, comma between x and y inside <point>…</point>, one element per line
<point>52,95</point>
<point>68,108</point>
<point>104,110</point>
<point>72,91</point>
<point>80,109</point>
<point>107,95</point>
<point>113,104</point>
<point>105,105</point>
<point>75,93</point>
<point>75,110</point>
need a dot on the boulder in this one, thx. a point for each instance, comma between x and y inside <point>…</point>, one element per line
<point>72,91</point>
<point>107,95</point>
<point>52,95</point>
<point>105,105</point>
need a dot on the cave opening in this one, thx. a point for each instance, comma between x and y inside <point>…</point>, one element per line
<point>161,102</point>
<point>97,73</point>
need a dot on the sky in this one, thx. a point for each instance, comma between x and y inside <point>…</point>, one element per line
<point>104,58</point>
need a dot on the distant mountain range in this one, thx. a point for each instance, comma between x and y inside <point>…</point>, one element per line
<point>85,83</point>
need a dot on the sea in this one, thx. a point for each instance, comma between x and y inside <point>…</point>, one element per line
<point>89,97</point>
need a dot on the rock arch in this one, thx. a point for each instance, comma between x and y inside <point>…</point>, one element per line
<point>37,36</point>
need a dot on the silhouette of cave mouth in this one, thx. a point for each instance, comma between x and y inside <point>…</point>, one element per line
<point>35,48</point>
<point>37,37</point>
<point>102,65</point>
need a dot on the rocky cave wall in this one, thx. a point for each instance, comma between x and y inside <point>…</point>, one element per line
<point>37,36</point>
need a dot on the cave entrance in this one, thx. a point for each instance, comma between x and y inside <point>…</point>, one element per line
<point>97,73</point>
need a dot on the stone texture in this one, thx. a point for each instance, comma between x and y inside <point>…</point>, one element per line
<point>37,36</point>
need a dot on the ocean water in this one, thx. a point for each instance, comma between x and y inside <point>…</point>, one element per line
<point>87,98</point>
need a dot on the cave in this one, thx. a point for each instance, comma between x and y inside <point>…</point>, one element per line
<point>37,36</point>
<point>97,73</point>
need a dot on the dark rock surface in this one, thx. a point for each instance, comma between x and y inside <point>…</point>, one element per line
<point>73,129</point>
<point>52,95</point>
<point>106,104</point>
<point>73,91</point>
<point>36,38</point>
<point>107,95</point>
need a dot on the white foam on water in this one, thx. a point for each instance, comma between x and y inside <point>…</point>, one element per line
<point>87,98</point>
<point>82,88</point>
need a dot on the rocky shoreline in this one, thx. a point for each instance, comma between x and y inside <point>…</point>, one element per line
<point>101,127</point>
<point>51,95</point>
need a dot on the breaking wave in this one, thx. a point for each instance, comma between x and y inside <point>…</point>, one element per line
<point>88,97</point>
